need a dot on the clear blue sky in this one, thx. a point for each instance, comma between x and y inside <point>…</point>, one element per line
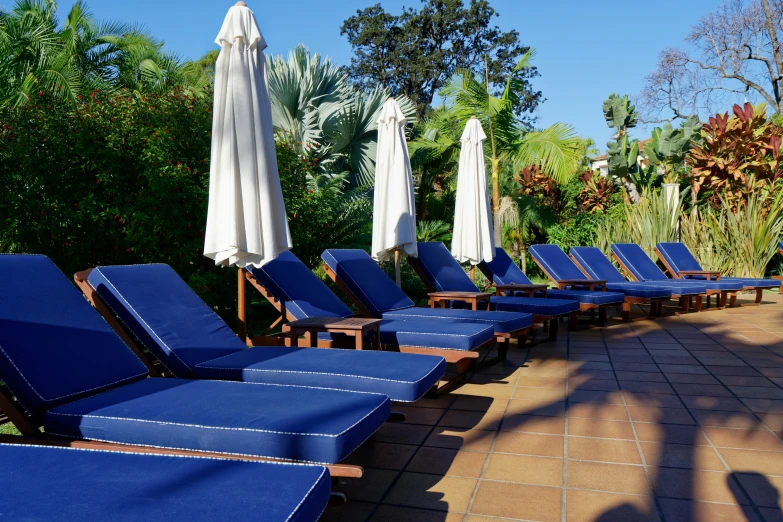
<point>586,49</point>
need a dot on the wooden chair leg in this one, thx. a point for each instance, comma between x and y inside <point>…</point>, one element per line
<point>733,299</point>
<point>554,326</point>
<point>627,311</point>
<point>759,295</point>
<point>708,300</point>
<point>724,296</point>
<point>592,315</point>
<point>684,303</point>
<point>602,316</point>
<point>699,301</point>
<point>572,321</point>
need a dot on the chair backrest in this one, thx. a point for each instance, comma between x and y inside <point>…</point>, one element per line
<point>440,270</point>
<point>596,264</point>
<point>502,270</point>
<point>301,291</point>
<point>165,315</point>
<point>556,263</point>
<point>367,281</point>
<point>637,262</point>
<point>678,257</point>
<point>54,347</point>
<point>780,248</point>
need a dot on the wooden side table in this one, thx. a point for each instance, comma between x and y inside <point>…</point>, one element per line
<point>473,298</point>
<point>356,327</point>
<point>529,290</point>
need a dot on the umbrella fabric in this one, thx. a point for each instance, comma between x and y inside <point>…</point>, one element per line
<point>472,240</point>
<point>246,221</point>
<point>394,210</point>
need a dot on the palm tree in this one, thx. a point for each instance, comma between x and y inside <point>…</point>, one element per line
<point>509,142</point>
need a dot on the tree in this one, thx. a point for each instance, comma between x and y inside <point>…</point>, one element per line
<point>510,144</point>
<point>416,52</point>
<point>737,52</point>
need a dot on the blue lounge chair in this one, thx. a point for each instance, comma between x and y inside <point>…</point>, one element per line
<point>64,484</point>
<point>590,293</point>
<point>596,265</point>
<point>376,295</point>
<point>66,370</point>
<point>779,277</point>
<point>297,293</point>
<point>640,267</point>
<point>440,272</point>
<point>192,341</point>
<point>681,264</point>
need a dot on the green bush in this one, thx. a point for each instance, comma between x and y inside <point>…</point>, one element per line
<point>123,179</point>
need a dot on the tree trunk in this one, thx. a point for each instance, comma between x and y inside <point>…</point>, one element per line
<point>496,202</point>
<point>777,54</point>
<point>523,257</point>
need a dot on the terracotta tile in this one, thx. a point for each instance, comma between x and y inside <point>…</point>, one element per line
<point>534,424</point>
<point>600,397</point>
<point>774,421</point>
<point>696,402</point>
<point>600,428</point>
<point>442,402</point>
<point>520,501</point>
<point>587,410</point>
<point>551,394</point>
<point>603,450</point>
<point>764,491</point>
<point>484,404</point>
<point>381,455</point>
<point>635,367</point>
<point>766,462</point>
<point>581,375</point>
<point>441,461</point>
<point>370,488</point>
<point>396,514</point>
<point>500,391</point>
<point>426,416</point>
<point>456,438</point>
<point>617,478</point>
<point>539,471</point>
<point>647,387</point>
<point>691,378</point>
<point>694,511</point>
<point>746,371</point>
<point>541,382</point>
<point>757,392</point>
<point>727,419</point>
<point>529,444</point>
<point>402,433</point>
<point>641,376</point>
<point>652,399</point>
<point>772,514</point>
<point>707,390</point>
<point>660,415</point>
<point>764,405</point>
<point>683,368</point>
<point>471,420</point>
<point>592,506</point>
<point>590,365</point>
<point>738,380</point>
<point>744,439</point>
<point>669,433</point>
<point>536,407</point>
<point>681,456</point>
<point>710,486</point>
<point>353,511</point>
<point>432,492</point>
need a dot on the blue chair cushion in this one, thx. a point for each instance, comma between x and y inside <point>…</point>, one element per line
<point>556,263</point>
<point>447,335</point>
<point>54,347</point>
<point>750,282</point>
<point>162,311</point>
<point>404,377</point>
<point>534,305</point>
<point>596,264</point>
<point>678,287</point>
<point>593,297</point>
<point>44,483</point>
<point>640,290</point>
<point>502,322</point>
<point>678,257</point>
<point>368,283</point>
<point>638,263</point>
<point>502,270</point>
<point>287,422</point>
<point>301,291</point>
<point>440,270</point>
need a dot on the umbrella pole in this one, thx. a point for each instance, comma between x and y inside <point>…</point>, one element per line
<point>241,311</point>
<point>397,268</point>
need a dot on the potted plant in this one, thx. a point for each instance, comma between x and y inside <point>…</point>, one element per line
<point>667,151</point>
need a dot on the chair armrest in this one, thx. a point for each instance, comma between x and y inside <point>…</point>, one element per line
<point>530,290</point>
<point>457,295</point>
<point>589,283</point>
<point>708,273</point>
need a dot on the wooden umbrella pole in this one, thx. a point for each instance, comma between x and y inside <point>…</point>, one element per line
<point>473,273</point>
<point>241,310</point>
<point>397,276</point>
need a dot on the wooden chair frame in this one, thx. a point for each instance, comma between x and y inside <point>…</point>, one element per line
<point>684,300</point>
<point>723,294</point>
<point>464,360</point>
<point>779,277</point>
<point>30,427</point>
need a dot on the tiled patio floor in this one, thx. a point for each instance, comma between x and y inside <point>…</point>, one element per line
<point>676,419</point>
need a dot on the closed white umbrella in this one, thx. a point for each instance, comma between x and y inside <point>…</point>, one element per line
<point>472,240</point>
<point>394,209</point>
<point>246,221</point>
